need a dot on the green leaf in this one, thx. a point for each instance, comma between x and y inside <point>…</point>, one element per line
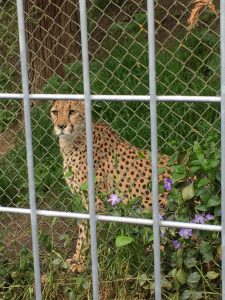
<point>188,192</point>
<point>142,279</point>
<point>166,284</point>
<point>204,194</point>
<point>2,246</point>
<point>123,240</point>
<point>175,194</point>
<point>181,276</point>
<point>176,177</point>
<point>57,261</point>
<point>183,157</point>
<point>186,295</point>
<point>172,159</point>
<point>140,155</point>
<point>211,164</point>
<point>84,186</point>
<point>214,201</point>
<point>65,265</point>
<point>174,274</point>
<point>15,275</point>
<point>206,251</point>
<point>161,187</point>
<point>193,295</point>
<point>179,257</point>
<point>198,151</point>
<point>202,207</point>
<point>193,279</point>
<point>2,283</point>
<point>68,173</point>
<point>219,251</point>
<point>72,295</point>
<point>190,262</point>
<point>151,238</point>
<point>203,182</point>
<point>194,169</point>
<point>24,259</point>
<point>212,275</point>
<point>3,271</point>
<point>86,284</point>
<point>179,169</point>
<point>161,170</point>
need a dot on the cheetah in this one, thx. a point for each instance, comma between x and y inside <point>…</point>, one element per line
<point>119,167</point>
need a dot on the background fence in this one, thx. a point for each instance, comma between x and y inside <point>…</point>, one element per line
<point>188,65</point>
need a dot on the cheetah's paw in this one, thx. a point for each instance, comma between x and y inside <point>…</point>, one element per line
<point>75,265</point>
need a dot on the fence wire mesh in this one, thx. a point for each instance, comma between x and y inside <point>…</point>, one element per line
<point>187,63</point>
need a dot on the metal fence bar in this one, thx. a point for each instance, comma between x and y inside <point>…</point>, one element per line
<point>29,148</point>
<point>89,138</point>
<point>106,218</point>
<point>141,98</point>
<point>222,67</point>
<point>154,145</point>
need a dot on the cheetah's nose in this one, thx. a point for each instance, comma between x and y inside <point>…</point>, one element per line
<point>61,126</point>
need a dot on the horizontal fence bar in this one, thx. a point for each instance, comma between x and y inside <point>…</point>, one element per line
<point>105,218</point>
<point>132,98</point>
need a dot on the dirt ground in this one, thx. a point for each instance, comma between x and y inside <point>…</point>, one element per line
<point>20,234</point>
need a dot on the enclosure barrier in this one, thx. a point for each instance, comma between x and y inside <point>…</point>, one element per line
<point>87,97</point>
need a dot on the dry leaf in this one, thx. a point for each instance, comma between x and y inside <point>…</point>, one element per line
<point>199,6</point>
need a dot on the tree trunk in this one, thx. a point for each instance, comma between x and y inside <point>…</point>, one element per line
<point>53,37</point>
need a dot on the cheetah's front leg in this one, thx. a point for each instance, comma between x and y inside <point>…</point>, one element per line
<point>77,263</point>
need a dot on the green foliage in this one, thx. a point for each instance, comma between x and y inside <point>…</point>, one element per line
<point>8,113</point>
<point>203,184</point>
<point>123,241</point>
<point>125,71</point>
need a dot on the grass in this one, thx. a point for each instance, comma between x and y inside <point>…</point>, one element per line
<point>187,68</point>
<point>190,69</point>
<point>9,63</point>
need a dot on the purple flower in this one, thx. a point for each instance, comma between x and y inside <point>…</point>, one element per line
<point>209,217</point>
<point>114,199</point>
<point>168,184</point>
<point>160,217</point>
<point>202,218</point>
<point>176,244</point>
<point>186,233</point>
<point>199,219</point>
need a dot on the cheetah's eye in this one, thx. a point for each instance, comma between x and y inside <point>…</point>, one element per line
<point>55,112</point>
<point>72,112</point>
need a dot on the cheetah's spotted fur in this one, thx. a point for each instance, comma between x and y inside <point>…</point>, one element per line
<point>119,167</point>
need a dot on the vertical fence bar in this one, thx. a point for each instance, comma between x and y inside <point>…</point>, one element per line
<point>29,148</point>
<point>154,145</point>
<point>222,66</point>
<point>88,118</point>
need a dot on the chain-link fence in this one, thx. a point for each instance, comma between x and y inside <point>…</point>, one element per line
<point>122,52</point>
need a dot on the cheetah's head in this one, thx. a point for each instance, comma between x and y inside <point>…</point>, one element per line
<point>68,117</point>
